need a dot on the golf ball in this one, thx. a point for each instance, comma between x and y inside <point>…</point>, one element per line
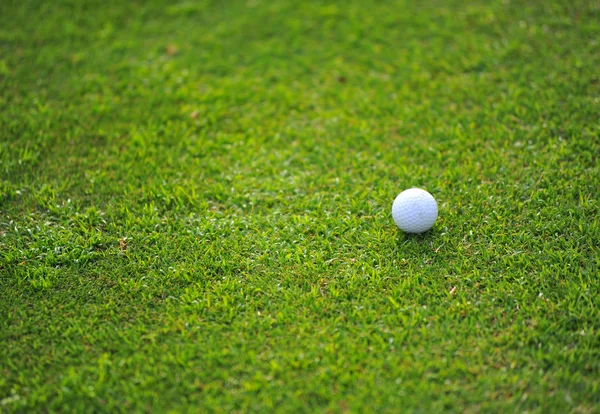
<point>414,211</point>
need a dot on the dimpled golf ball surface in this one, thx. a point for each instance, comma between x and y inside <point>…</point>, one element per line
<point>414,211</point>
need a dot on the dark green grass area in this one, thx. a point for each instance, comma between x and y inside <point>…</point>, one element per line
<point>195,206</point>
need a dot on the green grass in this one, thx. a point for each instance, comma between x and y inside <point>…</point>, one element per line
<point>195,206</point>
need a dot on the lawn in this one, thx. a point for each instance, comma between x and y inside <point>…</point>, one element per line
<point>195,205</point>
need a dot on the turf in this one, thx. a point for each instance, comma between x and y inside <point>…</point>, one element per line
<point>195,206</point>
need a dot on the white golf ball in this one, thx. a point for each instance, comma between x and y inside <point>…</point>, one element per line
<point>414,211</point>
